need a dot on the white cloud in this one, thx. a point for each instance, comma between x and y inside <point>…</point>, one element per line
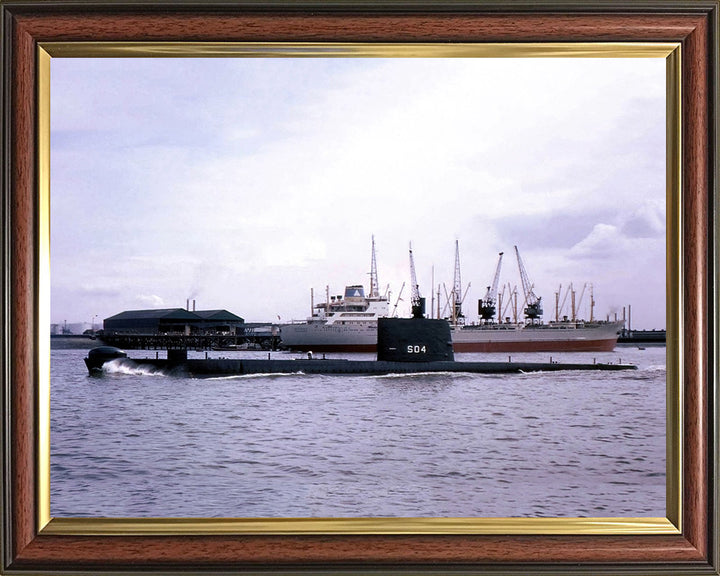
<point>648,221</point>
<point>151,300</point>
<point>605,241</point>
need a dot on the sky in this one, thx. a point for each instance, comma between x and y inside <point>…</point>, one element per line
<point>242,183</point>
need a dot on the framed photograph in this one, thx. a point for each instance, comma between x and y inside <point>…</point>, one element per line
<point>117,117</point>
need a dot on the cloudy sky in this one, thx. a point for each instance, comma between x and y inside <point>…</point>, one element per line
<point>245,182</point>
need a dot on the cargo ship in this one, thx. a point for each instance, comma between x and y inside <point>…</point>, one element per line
<point>348,323</point>
<point>563,336</point>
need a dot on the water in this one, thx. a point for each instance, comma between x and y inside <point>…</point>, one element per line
<point>432,445</point>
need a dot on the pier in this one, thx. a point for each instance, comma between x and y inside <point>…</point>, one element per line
<point>628,336</point>
<point>251,338</point>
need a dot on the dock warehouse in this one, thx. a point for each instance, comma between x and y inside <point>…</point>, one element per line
<point>173,321</point>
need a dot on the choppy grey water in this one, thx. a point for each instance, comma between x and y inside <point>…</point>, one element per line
<point>429,445</point>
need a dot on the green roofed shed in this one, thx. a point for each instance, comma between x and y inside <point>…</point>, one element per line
<point>171,320</point>
<point>218,315</point>
<point>220,321</point>
<point>151,321</point>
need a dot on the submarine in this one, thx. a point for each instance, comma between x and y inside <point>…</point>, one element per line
<point>405,346</point>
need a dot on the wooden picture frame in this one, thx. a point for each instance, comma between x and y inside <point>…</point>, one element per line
<point>31,546</point>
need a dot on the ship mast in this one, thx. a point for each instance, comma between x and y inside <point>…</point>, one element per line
<point>374,288</point>
<point>417,303</point>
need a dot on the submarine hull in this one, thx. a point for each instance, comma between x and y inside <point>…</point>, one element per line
<point>226,366</point>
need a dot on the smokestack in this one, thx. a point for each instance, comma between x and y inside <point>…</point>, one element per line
<point>187,305</point>
<point>193,305</point>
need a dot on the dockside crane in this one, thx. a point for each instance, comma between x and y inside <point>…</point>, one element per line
<point>533,303</point>
<point>457,294</point>
<point>486,306</point>
<point>417,303</point>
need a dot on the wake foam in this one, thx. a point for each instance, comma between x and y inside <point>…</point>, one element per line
<point>128,367</point>
<point>254,376</point>
<point>655,368</point>
<point>395,375</point>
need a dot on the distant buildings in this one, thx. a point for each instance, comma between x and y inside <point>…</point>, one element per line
<point>74,328</point>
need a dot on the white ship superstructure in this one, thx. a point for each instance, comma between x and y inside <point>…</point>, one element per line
<point>346,322</point>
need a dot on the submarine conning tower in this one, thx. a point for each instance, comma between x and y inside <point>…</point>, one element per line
<point>414,340</point>
<point>98,356</point>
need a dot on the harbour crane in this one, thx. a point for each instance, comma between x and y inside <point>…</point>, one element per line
<point>486,306</point>
<point>457,294</point>
<point>417,303</point>
<point>533,303</point>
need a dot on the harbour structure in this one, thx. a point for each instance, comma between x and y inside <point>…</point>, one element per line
<point>630,335</point>
<point>172,320</point>
<point>182,329</point>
